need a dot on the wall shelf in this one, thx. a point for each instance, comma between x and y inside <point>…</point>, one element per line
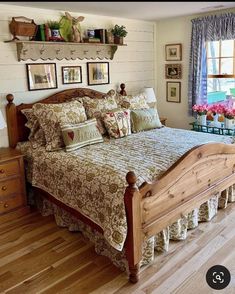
<point>35,50</point>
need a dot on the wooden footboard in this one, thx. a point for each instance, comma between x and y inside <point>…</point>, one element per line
<point>197,176</point>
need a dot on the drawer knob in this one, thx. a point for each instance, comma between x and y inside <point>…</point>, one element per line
<point>4,188</point>
<point>1,171</point>
<point>6,205</point>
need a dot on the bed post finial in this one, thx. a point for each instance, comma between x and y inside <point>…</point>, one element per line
<point>10,98</point>
<point>12,128</point>
<point>133,243</point>
<point>131,179</point>
<point>123,92</point>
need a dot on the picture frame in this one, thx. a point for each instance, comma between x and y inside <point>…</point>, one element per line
<point>173,52</point>
<point>71,74</point>
<point>173,92</point>
<point>98,73</point>
<point>41,76</point>
<point>173,71</point>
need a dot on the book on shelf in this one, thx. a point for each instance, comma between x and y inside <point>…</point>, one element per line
<point>91,40</point>
<point>42,32</point>
<point>37,36</point>
<point>47,32</point>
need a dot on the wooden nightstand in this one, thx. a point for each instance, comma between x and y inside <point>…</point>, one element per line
<point>163,120</point>
<point>12,180</point>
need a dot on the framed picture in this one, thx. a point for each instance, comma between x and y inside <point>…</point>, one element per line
<point>71,74</point>
<point>41,76</point>
<point>173,92</point>
<point>173,52</point>
<point>173,71</point>
<point>98,73</point>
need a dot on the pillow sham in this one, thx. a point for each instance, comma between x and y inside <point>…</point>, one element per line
<point>132,101</point>
<point>36,135</point>
<point>117,123</point>
<point>95,107</point>
<point>51,115</point>
<point>79,135</point>
<point>144,119</point>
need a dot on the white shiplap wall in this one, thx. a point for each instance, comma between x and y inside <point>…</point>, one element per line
<point>133,65</point>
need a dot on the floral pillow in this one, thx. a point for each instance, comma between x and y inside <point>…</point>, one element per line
<point>51,115</point>
<point>132,101</point>
<point>117,123</point>
<point>36,135</point>
<point>95,108</point>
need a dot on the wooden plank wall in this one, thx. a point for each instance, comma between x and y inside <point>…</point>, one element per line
<point>133,64</point>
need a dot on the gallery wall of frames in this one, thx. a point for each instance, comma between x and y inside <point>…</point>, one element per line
<point>173,71</point>
<point>43,76</point>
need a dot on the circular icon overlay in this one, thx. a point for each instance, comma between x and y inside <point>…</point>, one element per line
<point>218,277</point>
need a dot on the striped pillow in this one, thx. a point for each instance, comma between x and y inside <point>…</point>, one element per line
<point>79,135</point>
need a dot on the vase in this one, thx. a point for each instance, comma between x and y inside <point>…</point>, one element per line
<point>201,119</point>
<point>216,122</point>
<point>229,123</point>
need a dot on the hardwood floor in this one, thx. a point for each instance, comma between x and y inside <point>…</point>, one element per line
<point>38,257</point>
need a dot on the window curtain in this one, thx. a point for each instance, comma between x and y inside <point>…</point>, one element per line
<point>209,28</point>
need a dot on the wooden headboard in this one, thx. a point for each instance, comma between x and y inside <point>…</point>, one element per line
<point>17,132</point>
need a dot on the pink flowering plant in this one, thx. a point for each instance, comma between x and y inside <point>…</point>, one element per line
<point>229,113</point>
<point>200,109</point>
<point>217,108</point>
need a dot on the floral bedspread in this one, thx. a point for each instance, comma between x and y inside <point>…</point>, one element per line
<point>92,179</point>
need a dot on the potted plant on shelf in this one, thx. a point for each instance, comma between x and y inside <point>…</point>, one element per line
<point>55,28</point>
<point>201,110</point>
<point>229,114</point>
<point>119,32</point>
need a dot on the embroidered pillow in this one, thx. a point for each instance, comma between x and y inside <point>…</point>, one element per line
<point>79,135</point>
<point>117,123</point>
<point>51,115</point>
<point>132,101</point>
<point>36,135</point>
<point>144,119</point>
<point>95,108</point>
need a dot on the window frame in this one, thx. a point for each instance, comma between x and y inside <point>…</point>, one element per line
<point>221,76</point>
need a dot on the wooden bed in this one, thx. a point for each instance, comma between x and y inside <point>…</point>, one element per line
<point>198,175</point>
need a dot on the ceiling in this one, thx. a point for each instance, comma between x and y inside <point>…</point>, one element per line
<point>137,10</point>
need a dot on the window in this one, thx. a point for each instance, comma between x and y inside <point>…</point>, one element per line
<point>220,71</point>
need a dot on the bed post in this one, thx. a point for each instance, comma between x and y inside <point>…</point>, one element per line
<point>133,244</point>
<point>11,121</point>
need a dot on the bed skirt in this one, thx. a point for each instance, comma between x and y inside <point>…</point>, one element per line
<point>159,243</point>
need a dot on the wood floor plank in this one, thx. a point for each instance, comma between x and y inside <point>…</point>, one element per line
<point>37,257</point>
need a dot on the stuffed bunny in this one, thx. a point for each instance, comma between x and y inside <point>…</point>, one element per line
<point>75,26</point>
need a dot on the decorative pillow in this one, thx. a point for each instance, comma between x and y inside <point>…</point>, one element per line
<point>51,115</point>
<point>95,108</point>
<point>144,119</point>
<point>132,101</point>
<point>79,135</point>
<point>117,123</point>
<point>36,135</point>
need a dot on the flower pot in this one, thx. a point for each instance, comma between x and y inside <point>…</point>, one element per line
<point>201,119</point>
<point>118,40</point>
<point>216,122</point>
<point>55,33</point>
<point>229,123</point>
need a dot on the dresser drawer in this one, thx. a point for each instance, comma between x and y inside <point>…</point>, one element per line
<point>9,187</point>
<point>10,203</point>
<point>9,168</point>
